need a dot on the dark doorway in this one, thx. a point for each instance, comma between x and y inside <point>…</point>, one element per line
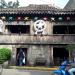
<point>19,54</point>
<point>59,55</point>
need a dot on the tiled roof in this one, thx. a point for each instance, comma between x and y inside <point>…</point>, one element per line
<point>36,9</point>
<point>40,7</point>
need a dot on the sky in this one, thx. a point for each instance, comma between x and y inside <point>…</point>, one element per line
<point>58,3</point>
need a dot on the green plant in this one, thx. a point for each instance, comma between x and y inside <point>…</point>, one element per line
<point>5,54</point>
<point>70,48</point>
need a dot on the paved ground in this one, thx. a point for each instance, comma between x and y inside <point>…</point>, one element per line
<point>24,72</point>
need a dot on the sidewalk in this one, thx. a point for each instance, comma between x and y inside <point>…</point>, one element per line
<point>34,68</point>
<point>24,72</point>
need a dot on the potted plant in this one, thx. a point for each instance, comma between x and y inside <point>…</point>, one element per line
<point>5,55</point>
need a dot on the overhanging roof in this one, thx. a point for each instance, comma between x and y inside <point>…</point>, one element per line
<point>36,9</point>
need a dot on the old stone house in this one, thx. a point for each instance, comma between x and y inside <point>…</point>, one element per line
<point>41,31</point>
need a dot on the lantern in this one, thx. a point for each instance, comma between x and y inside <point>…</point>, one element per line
<point>3,17</point>
<point>52,19</point>
<point>26,18</point>
<point>68,18</point>
<point>18,18</point>
<point>10,18</point>
<point>35,18</point>
<point>60,18</point>
<point>45,18</point>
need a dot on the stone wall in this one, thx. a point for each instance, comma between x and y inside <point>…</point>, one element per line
<point>36,50</point>
<point>48,30</point>
<point>33,52</point>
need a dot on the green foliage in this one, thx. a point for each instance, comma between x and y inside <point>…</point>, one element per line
<point>5,54</point>
<point>9,4</point>
<point>70,47</point>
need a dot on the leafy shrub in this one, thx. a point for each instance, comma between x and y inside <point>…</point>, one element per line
<point>5,54</point>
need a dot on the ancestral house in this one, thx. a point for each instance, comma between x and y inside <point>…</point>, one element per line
<point>40,31</point>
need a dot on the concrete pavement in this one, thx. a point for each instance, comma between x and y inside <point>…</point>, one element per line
<point>24,72</point>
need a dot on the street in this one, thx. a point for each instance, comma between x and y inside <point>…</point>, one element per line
<point>24,72</point>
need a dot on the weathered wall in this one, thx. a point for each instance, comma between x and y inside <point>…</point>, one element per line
<point>33,52</point>
<point>48,30</point>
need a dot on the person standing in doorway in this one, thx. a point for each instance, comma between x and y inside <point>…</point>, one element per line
<point>20,57</point>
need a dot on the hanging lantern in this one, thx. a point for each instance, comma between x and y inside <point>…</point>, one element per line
<point>68,18</point>
<point>26,18</point>
<point>18,18</point>
<point>3,17</point>
<point>35,18</point>
<point>45,18</point>
<point>52,19</point>
<point>60,18</point>
<point>10,18</point>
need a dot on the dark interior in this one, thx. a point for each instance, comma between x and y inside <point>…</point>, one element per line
<point>59,55</point>
<point>25,29</point>
<point>64,29</point>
